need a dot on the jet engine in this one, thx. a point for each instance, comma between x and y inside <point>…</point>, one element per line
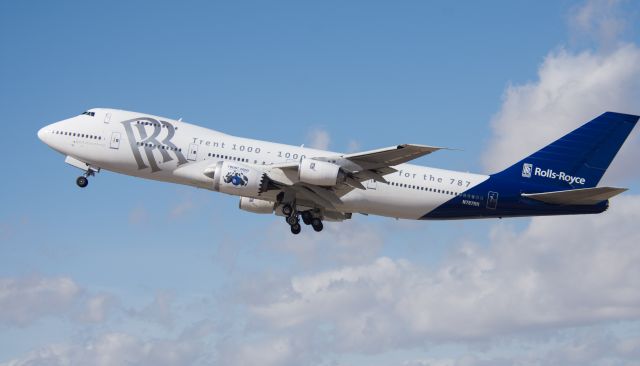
<point>256,205</point>
<point>320,173</point>
<point>237,179</point>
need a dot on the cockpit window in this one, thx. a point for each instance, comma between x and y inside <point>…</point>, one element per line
<point>89,113</point>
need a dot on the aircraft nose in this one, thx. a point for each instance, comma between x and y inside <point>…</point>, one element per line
<point>41,134</point>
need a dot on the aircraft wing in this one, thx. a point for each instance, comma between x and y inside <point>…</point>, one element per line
<point>372,164</point>
<point>374,159</point>
<point>388,156</point>
<point>359,167</point>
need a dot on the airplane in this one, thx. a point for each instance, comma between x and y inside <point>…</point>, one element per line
<point>297,182</point>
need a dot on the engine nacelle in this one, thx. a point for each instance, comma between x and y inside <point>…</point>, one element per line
<point>237,179</point>
<point>256,205</point>
<point>320,173</point>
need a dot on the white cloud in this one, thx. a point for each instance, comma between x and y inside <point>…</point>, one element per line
<point>572,88</point>
<point>26,299</point>
<point>182,208</point>
<point>319,139</point>
<point>557,273</point>
<point>121,349</point>
<point>267,351</point>
<point>353,146</point>
<point>345,242</point>
<point>597,20</point>
<point>138,215</point>
<point>97,308</point>
<point>159,311</point>
<point>579,347</point>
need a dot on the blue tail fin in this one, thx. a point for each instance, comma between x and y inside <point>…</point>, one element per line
<point>578,159</point>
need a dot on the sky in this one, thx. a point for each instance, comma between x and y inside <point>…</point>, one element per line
<point>130,271</point>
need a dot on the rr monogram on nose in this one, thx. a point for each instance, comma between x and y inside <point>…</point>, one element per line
<point>151,135</point>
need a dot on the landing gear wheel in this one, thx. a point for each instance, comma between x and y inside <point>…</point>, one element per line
<point>287,210</point>
<point>306,217</point>
<point>295,229</point>
<point>82,181</point>
<point>292,220</point>
<point>317,224</point>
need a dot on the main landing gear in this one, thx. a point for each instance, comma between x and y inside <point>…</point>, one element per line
<point>293,219</point>
<point>315,222</point>
<point>83,180</point>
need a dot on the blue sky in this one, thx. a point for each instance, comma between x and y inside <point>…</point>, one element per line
<point>165,274</point>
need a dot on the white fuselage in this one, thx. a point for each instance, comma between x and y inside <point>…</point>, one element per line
<point>153,147</point>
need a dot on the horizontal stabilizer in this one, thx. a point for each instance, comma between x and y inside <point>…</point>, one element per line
<point>585,196</point>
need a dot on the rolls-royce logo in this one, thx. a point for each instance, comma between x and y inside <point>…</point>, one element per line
<point>151,135</point>
<point>526,170</point>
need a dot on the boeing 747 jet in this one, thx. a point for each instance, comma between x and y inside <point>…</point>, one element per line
<point>315,185</point>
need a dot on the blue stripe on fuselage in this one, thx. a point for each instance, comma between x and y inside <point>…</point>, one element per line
<point>509,203</point>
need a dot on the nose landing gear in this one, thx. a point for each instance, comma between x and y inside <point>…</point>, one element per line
<point>83,180</point>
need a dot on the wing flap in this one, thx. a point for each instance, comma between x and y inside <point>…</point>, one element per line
<point>585,196</point>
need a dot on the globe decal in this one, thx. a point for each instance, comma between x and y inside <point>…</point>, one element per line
<point>236,178</point>
<point>236,181</point>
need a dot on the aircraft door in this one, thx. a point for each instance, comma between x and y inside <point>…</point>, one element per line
<point>492,200</point>
<point>193,152</point>
<point>115,140</point>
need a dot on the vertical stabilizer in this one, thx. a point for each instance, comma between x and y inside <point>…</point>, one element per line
<point>578,159</point>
